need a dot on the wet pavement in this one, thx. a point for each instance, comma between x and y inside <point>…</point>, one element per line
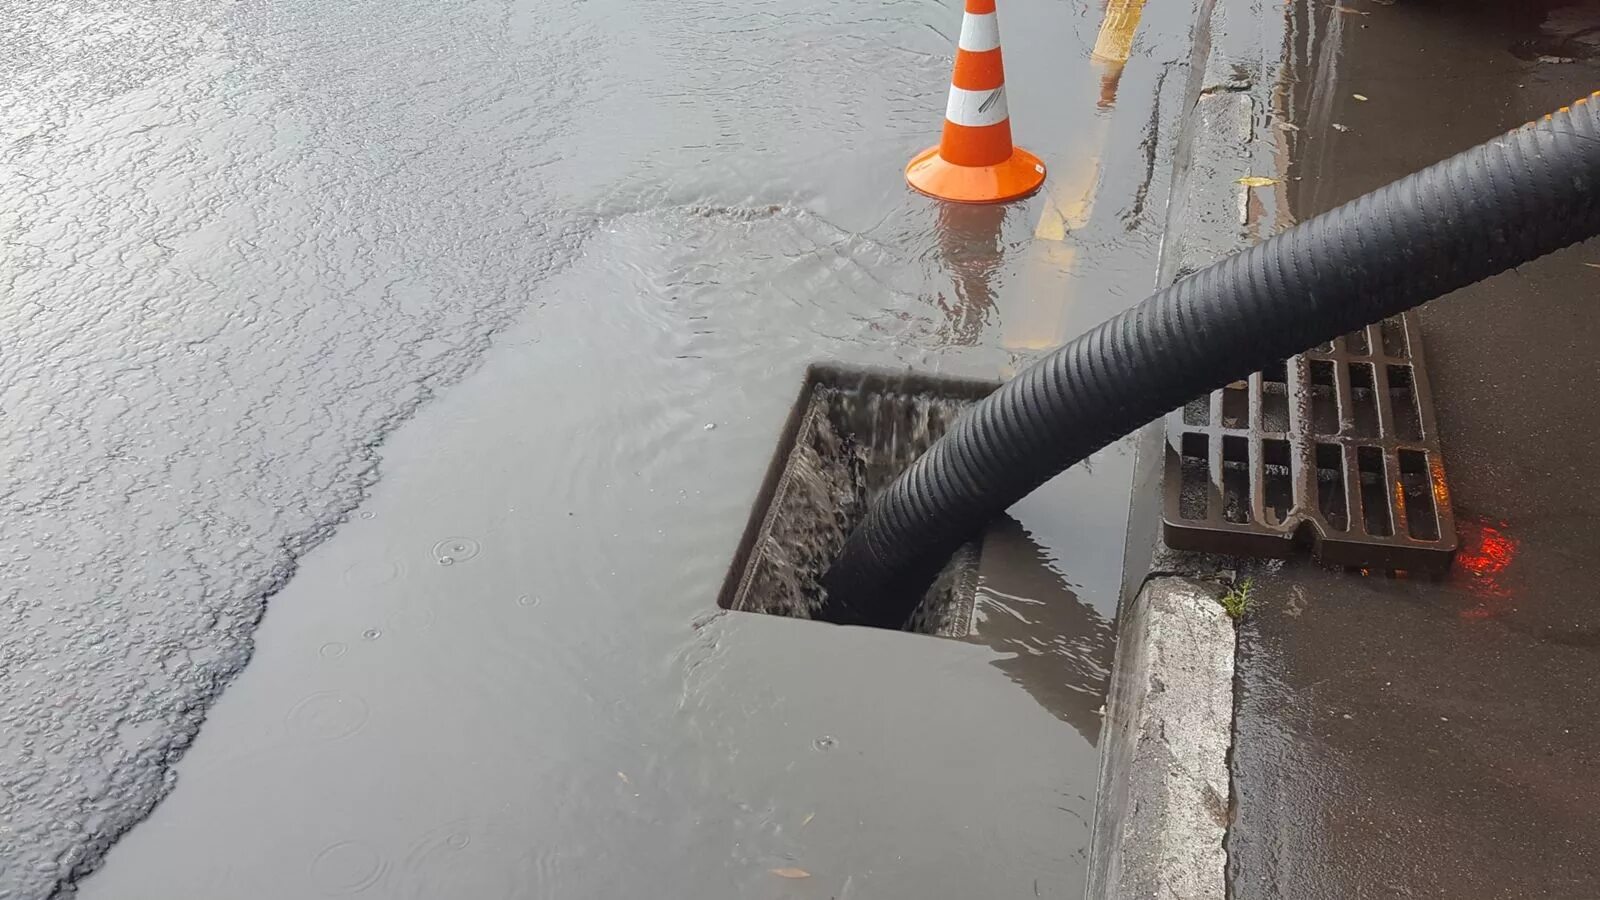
<point>399,331</point>
<point>1408,737</point>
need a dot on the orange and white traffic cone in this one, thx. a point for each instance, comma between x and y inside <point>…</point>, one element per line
<point>975,162</point>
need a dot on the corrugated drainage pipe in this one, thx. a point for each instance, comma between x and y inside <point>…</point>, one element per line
<point>1500,204</point>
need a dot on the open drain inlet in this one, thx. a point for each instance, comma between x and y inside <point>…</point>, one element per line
<point>850,433</point>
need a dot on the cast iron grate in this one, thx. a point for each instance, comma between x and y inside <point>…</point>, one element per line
<point>1337,446</point>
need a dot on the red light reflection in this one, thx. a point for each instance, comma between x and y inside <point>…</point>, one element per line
<point>1486,552</point>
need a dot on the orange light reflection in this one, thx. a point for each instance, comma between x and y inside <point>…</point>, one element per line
<point>1487,551</point>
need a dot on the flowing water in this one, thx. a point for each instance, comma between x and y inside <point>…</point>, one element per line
<point>374,344</point>
<point>851,441</point>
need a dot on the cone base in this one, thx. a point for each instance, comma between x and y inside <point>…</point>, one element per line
<point>929,173</point>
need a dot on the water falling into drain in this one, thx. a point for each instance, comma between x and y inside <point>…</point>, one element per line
<point>850,434</point>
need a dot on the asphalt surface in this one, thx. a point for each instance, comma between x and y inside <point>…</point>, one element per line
<point>397,329</point>
<point>1437,738</point>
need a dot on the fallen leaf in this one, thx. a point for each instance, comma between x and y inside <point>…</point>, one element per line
<point>1340,128</point>
<point>1361,97</point>
<point>624,777</point>
<point>809,816</point>
<point>1593,265</point>
<point>1256,181</point>
<point>1287,126</point>
<point>789,872</point>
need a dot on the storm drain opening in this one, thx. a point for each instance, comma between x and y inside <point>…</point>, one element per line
<point>1337,446</point>
<point>850,433</point>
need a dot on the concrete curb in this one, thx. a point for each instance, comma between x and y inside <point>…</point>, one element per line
<point>1164,772</point>
<point>1164,801</point>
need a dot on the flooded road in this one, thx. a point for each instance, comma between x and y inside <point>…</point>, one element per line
<point>417,318</point>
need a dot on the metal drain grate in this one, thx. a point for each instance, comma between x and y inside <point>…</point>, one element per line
<point>1337,445</point>
<point>850,433</point>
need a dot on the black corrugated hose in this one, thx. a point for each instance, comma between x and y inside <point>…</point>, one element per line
<point>1500,204</point>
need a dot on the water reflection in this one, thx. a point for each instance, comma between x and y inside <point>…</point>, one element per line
<point>972,248</point>
<point>1110,78</point>
<point>1303,103</point>
<point>1038,318</point>
<point>1058,648</point>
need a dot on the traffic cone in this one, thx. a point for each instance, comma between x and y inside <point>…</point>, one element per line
<point>975,162</point>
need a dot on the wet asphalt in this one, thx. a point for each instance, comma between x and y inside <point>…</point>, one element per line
<point>427,357</point>
<point>1437,737</point>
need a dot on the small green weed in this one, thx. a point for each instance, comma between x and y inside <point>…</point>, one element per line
<point>1236,602</point>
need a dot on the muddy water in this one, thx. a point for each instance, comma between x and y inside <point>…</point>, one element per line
<point>853,435</point>
<point>412,317</point>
